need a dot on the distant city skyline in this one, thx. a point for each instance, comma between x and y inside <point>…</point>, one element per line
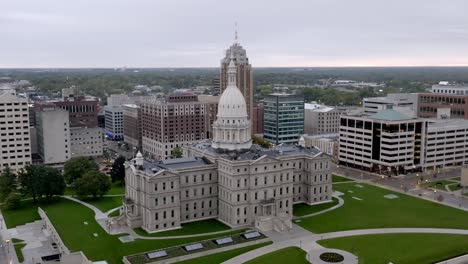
<point>185,33</point>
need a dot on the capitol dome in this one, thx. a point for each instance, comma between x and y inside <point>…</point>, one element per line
<point>231,130</point>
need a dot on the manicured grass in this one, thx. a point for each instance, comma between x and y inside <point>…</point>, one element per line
<point>18,251</point>
<point>456,179</point>
<point>68,218</point>
<point>286,255</point>
<point>376,211</point>
<point>197,227</point>
<point>440,185</point>
<point>117,188</point>
<point>305,209</point>
<point>336,178</point>
<point>223,256</point>
<point>105,203</point>
<point>25,214</point>
<point>454,187</point>
<point>401,248</point>
<point>16,240</point>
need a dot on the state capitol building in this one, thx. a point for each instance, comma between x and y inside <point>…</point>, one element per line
<point>227,178</point>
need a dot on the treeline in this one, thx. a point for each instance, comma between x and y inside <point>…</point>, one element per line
<point>102,82</point>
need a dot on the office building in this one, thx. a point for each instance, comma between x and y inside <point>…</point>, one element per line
<point>226,178</point>
<point>86,138</point>
<point>386,142</point>
<point>244,78</point>
<point>211,106</point>
<point>436,105</point>
<point>321,119</point>
<point>132,125</point>
<point>257,119</point>
<point>327,143</point>
<point>114,128</point>
<point>15,141</point>
<point>283,118</point>
<point>373,105</point>
<point>86,141</point>
<point>53,135</point>
<point>445,87</point>
<point>174,121</point>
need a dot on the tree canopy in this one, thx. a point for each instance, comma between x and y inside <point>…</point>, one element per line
<point>75,168</point>
<point>177,152</point>
<point>117,171</point>
<point>39,180</point>
<point>93,183</point>
<point>7,183</point>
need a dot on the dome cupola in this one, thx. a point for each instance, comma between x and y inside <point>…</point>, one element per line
<point>231,130</point>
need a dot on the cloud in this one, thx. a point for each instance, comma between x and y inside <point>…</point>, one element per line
<point>188,33</point>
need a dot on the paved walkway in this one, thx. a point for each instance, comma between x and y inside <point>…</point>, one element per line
<point>340,203</point>
<point>308,243</point>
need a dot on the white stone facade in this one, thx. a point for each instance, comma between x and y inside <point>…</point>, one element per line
<point>162,195</point>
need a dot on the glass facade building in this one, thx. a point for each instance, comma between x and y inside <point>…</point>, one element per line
<point>283,118</point>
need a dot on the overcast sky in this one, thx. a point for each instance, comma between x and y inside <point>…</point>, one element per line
<point>194,33</point>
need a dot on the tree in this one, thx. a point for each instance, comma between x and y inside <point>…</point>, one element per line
<point>7,183</point>
<point>177,152</point>
<point>75,168</point>
<point>117,171</point>
<point>262,142</point>
<point>39,180</point>
<point>93,183</point>
<point>13,201</point>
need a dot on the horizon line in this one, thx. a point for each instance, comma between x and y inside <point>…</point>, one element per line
<point>258,67</point>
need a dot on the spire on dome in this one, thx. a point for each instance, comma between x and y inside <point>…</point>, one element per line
<point>232,70</point>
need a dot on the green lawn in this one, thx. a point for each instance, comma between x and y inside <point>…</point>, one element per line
<point>18,251</point>
<point>16,240</point>
<point>439,185</point>
<point>456,179</point>
<point>401,248</point>
<point>454,187</point>
<point>25,214</point>
<point>105,203</point>
<point>336,178</point>
<point>305,209</point>
<point>117,188</point>
<point>68,218</point>
<point>197,227</point>
<point>376,211</point>
<point>286,255</point>
<point>223,256</point>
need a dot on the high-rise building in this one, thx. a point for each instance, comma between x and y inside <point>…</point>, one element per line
<point>283,118</point>
<point>85,136</point>
<point>15,141</point>
<point>244,78</point>
<point>321,119</point>
<point>53,135</point>
<point>211,105</point>
<point>388,141</point>
<point>257,119</point>
<point>114,122</point>
<point>132,125</point>
<point>176,121</point>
